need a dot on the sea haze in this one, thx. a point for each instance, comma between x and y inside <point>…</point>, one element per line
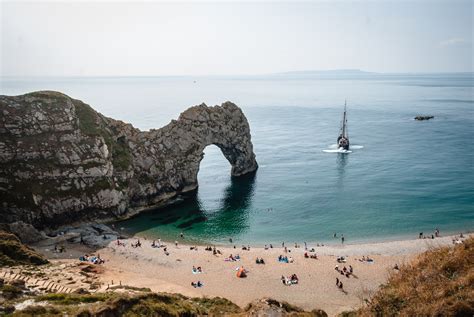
<point>404,177</point>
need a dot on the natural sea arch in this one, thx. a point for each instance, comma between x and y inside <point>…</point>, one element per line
<point>84,165</point>
<point>223,201</point>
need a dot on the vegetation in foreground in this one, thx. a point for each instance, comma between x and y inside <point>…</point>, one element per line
<point>153,304</point>
<point>13,252</point>
<point>439,283</point>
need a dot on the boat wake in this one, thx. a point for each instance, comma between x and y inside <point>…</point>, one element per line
<point>334,148</point>
<point>340,150</point>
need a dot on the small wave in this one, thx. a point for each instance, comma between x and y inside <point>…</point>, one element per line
<point>357,147</point>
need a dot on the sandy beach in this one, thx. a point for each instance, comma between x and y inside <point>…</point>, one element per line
<point>150,267</point>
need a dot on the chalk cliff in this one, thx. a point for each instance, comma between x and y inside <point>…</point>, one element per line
<point>61,161</point>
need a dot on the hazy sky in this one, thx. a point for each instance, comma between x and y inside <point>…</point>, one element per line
<point>197,38</point>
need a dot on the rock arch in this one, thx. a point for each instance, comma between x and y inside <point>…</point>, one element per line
<point>61,161</point>
<point>180,145</point>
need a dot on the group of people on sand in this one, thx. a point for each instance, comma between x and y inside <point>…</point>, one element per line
<point>233,258</point>
<point>259,261</point>
<point>310,256</point>
<point>137,244</point>
<point>285,259</point>
<point>120,243</point>
<point>197,270</point>
<point>341,259</point>
<point>158,244</point>
<point>433,235</point>
<point>197,284</point>
<point>457,240</point>
<point>290,280</point>
<point>92,259</point>
<point>366,259</point>
<point>347,272</point>
<point>213,249</point>
<point>339,284</point>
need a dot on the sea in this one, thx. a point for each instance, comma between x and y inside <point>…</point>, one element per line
<point>402,176</point>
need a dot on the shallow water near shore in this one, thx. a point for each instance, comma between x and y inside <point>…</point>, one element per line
<point>404,178</point>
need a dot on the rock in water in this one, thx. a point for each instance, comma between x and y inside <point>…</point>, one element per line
<point>61,161</point>
<point>421,118</point>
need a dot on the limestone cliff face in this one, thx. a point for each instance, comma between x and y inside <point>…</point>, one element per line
<point>61,161</point>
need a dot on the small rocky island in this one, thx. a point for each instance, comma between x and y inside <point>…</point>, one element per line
<point>61,161</point>
<point>422,118</point>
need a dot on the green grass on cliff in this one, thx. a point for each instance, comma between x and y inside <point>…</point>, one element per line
<point>154,304</point>
<point>113,304</point>
<point>439,283</point>
<point>90,123</point>
<point>13,252</point>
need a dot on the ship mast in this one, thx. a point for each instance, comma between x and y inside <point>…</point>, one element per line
<point>344,121</point>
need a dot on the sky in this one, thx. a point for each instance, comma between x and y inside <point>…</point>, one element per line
<point>233,38</point>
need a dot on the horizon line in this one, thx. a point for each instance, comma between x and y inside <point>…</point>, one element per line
<point>354,71</point>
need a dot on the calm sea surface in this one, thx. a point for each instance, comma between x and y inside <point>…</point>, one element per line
<point>405,177</point>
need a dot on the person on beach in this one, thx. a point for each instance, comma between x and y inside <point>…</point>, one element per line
<point>196,284</point>
<point>342,239</point>
<point>337,281</point>
<point>335,235</point>
<point>305,246</point>
<point>181,235</point>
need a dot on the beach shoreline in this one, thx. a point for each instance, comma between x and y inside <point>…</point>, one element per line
<point>331,242</point>
<point>169,269</point>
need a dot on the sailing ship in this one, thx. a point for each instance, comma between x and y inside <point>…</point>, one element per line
<point>343,139</point>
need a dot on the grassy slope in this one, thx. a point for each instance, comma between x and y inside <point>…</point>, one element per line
<point>439,283</point>
<point>152,304</point>
<point>13,252</point>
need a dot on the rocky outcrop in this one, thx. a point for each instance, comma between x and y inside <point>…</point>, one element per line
<point>422,118</point>
<point>61,161</point>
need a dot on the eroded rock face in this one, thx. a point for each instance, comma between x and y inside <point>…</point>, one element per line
<point>61,161</point>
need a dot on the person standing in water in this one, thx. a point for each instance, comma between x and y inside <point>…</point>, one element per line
<point>342,239</point>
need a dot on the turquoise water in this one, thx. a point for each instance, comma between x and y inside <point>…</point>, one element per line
<point>407,177</point>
